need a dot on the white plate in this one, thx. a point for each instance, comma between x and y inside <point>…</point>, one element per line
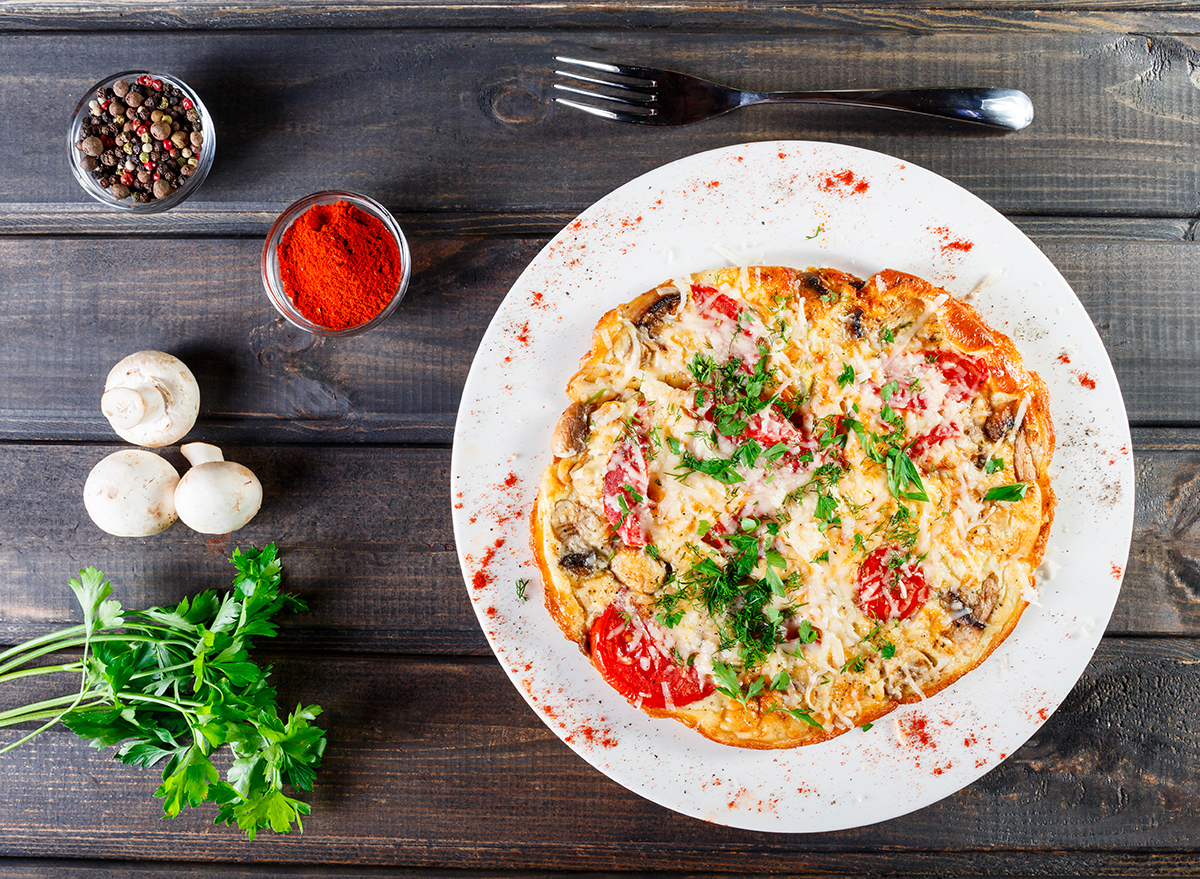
<point>798,204</point>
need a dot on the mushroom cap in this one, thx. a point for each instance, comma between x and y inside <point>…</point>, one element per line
<point>218,497</point>
<point>131,493</point>
<point>169,404</point>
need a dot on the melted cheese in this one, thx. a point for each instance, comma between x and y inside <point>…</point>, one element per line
<point>846,670</point>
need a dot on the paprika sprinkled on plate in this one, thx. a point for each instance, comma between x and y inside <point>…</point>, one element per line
<point>339,265</point>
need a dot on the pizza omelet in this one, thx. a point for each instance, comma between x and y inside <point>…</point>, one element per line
<point>783,502</point>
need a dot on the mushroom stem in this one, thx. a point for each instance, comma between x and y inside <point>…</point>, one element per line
<point>128,407</point>
<point>201,453</point>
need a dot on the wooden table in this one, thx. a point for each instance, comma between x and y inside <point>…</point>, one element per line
<point>442,112</point>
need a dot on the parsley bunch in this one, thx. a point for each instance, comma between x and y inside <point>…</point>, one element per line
<point>174,685</point>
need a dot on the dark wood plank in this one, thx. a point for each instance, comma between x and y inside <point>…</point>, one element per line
<point>842,865</point>
<point>832,16</point>
<point>261,380</point>
<point>446,120</point>
<point>414,778</point>
<point>367,539</point>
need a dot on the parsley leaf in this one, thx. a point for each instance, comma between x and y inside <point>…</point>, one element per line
<point>847,375</point>
<point>1014,492</point>
<point>993,464</point>
<point>903,478</point>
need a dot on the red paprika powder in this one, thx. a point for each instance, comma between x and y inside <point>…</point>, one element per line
<point>340,266</point>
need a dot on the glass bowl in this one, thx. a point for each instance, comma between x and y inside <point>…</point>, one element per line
<point>92,186</point>
<point>273,283</point>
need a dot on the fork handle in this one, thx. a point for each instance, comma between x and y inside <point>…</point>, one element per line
<point>999,108</point>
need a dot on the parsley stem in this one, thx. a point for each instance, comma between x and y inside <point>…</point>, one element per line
<point>44,709</point>
<point>40,670</point>
<point>68,643</point>
<point>39,641</point>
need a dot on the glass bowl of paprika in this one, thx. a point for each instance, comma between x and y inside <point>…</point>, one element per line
<point>335,263</point>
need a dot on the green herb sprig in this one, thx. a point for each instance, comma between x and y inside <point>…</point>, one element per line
<point>172,685</point>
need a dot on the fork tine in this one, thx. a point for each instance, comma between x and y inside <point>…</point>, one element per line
<point>634,99</point>
<point>618,69</point>
<point>616,116</point>
<point>639,85</point>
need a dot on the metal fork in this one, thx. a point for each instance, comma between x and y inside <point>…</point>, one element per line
<point>649,96</point>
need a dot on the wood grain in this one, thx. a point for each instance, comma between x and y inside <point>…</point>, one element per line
<point>415,778</point>
<point>367,539</point>
<point>262,380</point>
<point>831,16</point>
<point>446,120</point>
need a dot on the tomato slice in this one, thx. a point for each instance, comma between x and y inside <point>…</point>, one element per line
<point>891,585</point>
<point>625,485</point>
<point>965,374</point>
<point>710,302</point>
<point>932,437</point>
<point>636,667</point>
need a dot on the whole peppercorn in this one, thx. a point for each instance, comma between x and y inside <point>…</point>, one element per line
<point>92,146</point>
<point>120,88</point>
<point>197,139</point>
<point>133,99</point>
<point>160,130</point>
<point>119,191</point>
<point>162,188</point>
<point>108,157</point>
<point>89,163</point>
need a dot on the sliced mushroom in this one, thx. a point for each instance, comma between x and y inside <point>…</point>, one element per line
<point>580,563</point>
<point>816,284</point>
<point>652,318</point>
<point>571,432</point>
<point>1000,422</point>
<point>980,610</point>
<point>1023,458</point>
<point>636,569</point>
<point>854,324</point>
<point>578,529</point>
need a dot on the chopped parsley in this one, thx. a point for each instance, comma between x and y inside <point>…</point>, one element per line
<point>847,375</point>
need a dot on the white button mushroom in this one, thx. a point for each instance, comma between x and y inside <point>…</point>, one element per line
<point>216,496</point>
<point>151,399</point>
<point>131,493</point>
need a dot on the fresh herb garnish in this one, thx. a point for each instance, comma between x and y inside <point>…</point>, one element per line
<point>847,375</point>
<point>522,585</point>
<point>1014,492</point>
<point>172,685</point>
<point>993,464</point>
<point>903,478</point>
